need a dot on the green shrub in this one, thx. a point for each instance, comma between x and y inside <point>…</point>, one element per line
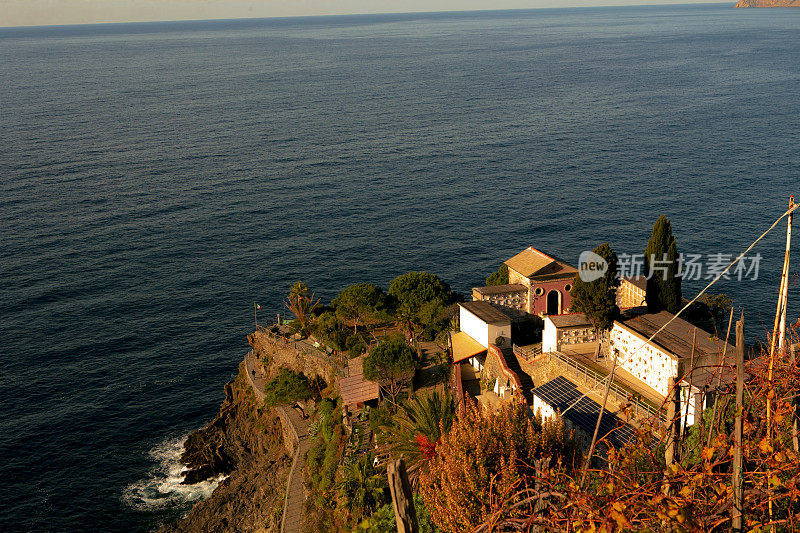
<point>287,387</point>
<point>355,346</point>
<point>383,521</point>
<point>323,456</point>
<point>498,278</point>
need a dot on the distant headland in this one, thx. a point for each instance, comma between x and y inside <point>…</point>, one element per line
<point>768,3</point>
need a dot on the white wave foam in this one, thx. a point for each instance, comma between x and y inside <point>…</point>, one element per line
<point>162,489</point>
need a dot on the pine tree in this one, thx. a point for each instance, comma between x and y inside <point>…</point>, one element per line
<point>598,299</point>
<point>663,284</point>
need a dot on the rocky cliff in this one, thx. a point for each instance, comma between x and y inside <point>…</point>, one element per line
<point>245,442</point>
<point>768,3</point>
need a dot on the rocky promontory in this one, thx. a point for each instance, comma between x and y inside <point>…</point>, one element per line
<point>245,443</point>
<point>768,3</point>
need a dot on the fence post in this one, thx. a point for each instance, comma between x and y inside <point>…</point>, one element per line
<point>405,514</point>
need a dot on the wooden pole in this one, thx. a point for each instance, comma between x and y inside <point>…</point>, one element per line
<point>405,514</point>
<point>779,328</point>
<point>738,492</point>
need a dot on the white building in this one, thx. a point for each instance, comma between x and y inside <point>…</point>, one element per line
<point>680,348</point>
<point>566,331</point>
<point>484,323</point>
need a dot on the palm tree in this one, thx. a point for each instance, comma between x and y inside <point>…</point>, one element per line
<point>302,304</point>
<point>362,488</point>
<point>416,432</point>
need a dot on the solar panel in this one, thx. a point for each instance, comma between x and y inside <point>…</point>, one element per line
<point>561,393</point>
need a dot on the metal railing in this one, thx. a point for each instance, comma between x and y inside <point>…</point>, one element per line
<point>527,353</point>
<point>597,381</point>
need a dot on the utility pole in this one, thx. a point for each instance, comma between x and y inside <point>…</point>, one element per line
<point>738,490</point>
<point>723,363</point>
<point>778,341</point>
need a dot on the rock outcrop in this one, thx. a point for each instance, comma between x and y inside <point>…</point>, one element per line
<point>245,443</point>
<point>768,3</point>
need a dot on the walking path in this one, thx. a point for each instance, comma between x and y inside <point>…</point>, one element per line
<point>295,493</point>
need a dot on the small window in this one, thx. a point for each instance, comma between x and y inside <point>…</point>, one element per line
<point>538,291</point>
<point>568,287</point>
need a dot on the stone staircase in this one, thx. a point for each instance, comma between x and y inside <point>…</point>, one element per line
<point>525,379</point>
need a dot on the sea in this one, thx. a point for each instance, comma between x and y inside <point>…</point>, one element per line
<point>157,180</point>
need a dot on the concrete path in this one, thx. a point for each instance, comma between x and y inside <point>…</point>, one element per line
<point>295,493</point>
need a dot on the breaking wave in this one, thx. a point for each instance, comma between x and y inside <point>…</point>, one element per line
<point>162,488</point>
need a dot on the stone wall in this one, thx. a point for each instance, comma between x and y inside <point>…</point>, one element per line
<point>300,356</point>
<point>497,368</point>
<point>290,437</point>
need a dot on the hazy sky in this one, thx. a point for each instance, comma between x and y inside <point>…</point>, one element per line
<point>40,12</point>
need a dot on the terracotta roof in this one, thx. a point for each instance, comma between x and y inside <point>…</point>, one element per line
<point>464,346</point>
<point>355,388</point>
<point>531,262</point>
<point>570,320</point>
<point>486,312</point>
<point>501,289</point>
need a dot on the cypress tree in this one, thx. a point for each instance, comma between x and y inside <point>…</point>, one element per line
<point>598,299</point>
<point>663,291</point>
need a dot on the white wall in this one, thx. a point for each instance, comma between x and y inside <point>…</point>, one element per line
<point>549,337</point>
<point>482,332</point>
<point>474,327</point>
<point>650,364</point>
<point>495,331</point>
<point>544,408</point>
<point>653,366</point>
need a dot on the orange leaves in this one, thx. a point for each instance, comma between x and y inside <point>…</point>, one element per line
<point>708,453</point>
<point>765,446</point>
<point>484,469</point>
<point>617,513</point>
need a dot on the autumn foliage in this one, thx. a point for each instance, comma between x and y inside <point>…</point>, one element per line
<point>633,490</point>
<point>487,461</point>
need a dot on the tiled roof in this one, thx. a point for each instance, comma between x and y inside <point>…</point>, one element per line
<point>501,289</point>
<point>531,262</point>
<point>486,312</point>
<point>562,393</point>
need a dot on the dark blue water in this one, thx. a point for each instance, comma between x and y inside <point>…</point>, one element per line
<point>157,179</point>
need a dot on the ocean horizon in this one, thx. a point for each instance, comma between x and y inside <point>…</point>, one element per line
<point>159,178</point>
